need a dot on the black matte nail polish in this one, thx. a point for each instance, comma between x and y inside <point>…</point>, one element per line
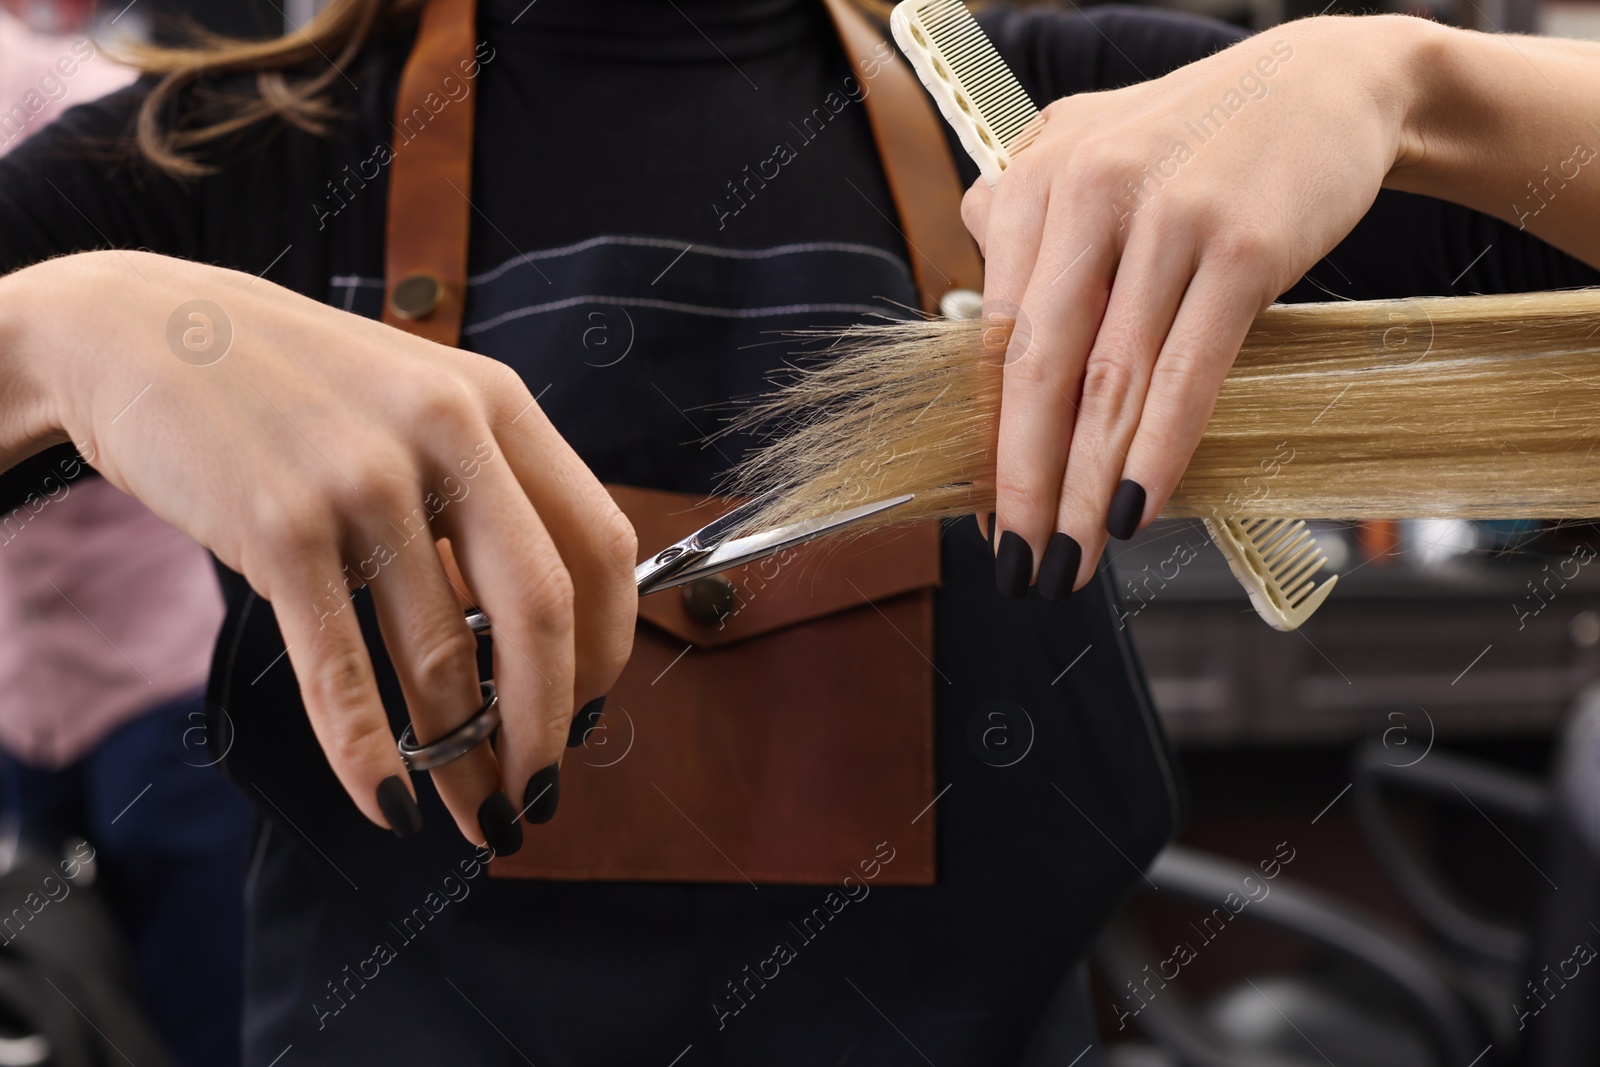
<point>1013,565</point>
<point>498,821</point>
<point>1127,505</point>
<point>544,793</point>
<point>401,812</point>
<point>1059,567</point>
<point>584,722</point>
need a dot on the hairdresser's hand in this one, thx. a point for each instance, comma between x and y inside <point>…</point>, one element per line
<point>1140,235</point>
<point>320,448</point>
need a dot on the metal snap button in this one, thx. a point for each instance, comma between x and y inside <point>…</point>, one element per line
<point>709,600</point>
<point>417,296</point>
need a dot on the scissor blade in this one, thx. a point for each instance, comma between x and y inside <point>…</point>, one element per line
<point>748,549</point>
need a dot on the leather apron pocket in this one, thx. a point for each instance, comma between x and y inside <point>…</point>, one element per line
<point>773,725</point>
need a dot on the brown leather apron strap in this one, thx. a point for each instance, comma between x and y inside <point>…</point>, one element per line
<point>922,175</point>
<point>430,178</point>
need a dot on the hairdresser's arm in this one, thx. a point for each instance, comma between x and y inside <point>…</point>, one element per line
<point>1138,238</point>
<point>320,448</point>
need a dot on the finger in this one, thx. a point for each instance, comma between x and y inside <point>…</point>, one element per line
<point>1013,217</point>
<point>518,577</point>
<point>1151,279</point>
<point>306,585</point>
<point>1060,313</point>
<point>595,540</point>
<point>435,658</point>
<point>975,212</point>
<point>1211,324</point>
<point>1014,223</point>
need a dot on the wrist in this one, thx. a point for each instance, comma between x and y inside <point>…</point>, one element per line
<point>29,418</point>
<point>1399,54</point>
<point>1440,112</point>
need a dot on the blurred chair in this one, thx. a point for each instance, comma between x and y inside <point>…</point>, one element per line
<point>1479,992</point>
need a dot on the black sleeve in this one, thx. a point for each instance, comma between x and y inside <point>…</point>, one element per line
<point>75,187</point>
<point>1407,245</point>
<point>1057,53</point>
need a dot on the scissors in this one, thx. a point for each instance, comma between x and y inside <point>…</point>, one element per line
<point>710,549</point>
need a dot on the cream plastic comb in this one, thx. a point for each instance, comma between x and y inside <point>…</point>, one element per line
<point>976,92</point>
<point>1276,560</point>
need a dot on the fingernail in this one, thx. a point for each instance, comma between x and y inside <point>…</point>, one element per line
<point>1059,567</point>
<point>399,810</point>
<point>991,531</point>
<point>544,793</point>
<point>498,821</point>
<point>1127,505</point>
<point>587,718</point>
<point>1013,565</point>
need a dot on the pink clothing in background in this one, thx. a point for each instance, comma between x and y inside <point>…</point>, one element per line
<point>42,76</point>
<point>105,610</point>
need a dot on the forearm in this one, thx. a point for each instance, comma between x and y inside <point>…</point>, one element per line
<point>1503,124</point>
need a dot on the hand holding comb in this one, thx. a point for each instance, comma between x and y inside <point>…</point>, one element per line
<point>1470,407</point>
<point>1277,562</point>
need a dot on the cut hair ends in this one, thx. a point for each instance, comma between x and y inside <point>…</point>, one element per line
<point>1446,407</point>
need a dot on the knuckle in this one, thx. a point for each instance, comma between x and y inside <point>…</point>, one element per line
<point>1031,370</point>
<point>339,683</point>
<point>1178,367</point>
<point>618,544</point>
<point>506,393</point>
<point>1107,382</point>
<point>1019,497</point>
<point>550,601</point>
<point>1240,248</point>
<point>287,525</point>
<point>1027,174</point>
<point>376,484</point>
<point>444,658</point>
<point>355,739</point>
<point>441,402</point>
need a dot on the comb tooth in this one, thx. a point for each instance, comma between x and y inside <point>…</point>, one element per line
<point>1272,533</point>
<point>1303,594</point>
<point>1294,595</point>
<point>1287,569</point>
<point>1281,566</point>
<point>1284,537</point>
<point>1263,535</point>
<point>1311,567</point>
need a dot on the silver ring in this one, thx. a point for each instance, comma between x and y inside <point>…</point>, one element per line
<point>458,742</point>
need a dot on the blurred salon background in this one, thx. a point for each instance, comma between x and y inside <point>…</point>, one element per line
<point>1394,853</point>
